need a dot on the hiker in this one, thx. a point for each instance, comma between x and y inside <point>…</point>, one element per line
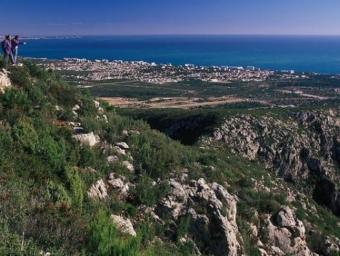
<point>7,50</point>
<point>15,48</point>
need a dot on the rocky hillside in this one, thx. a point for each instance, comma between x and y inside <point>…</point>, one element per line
<point>76,178</point>
<point>302,148</point>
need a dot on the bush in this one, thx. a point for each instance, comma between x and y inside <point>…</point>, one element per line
<point>147,193</point>
<point>156,155</point>
<point>75,186</point>
<point>51,151</point>
<point>56,193</point>
<point>105,239</point>
<point>26,135</point>
<point>15,99</point>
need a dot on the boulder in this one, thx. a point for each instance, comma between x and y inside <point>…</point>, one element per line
<point>98,190</point>
<point>216,230</point>
<point>118,184</point>
<point>331,246</point>
<point>120,151</point>
<point>89,139</point>
<point>128,166</point>
<point>112,159</point>
<point>5,82</point>
<point>123,225</point>
<point>287,233</point>
<point>122,145</point>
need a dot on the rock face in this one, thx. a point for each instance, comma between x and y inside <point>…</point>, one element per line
<point>123,225</point>
<point>89,139</point>
<point>302,146</point>
<point>5,82</point>
<point>287,234</point>
<point>212,215</point>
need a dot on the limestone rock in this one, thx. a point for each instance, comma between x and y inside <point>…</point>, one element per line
<point>118,184</point>
<point>128,166</point>
<point>297,147</point>
<point>123,225</point>
<point>287,233</point>
<point>217,228</point>
<point>120,151</point>
<point>98,190</point>
<point>5,82</point>
<point>122,145</point>
<point>331,246</point>
<point>89,139</point>
<point>112,159</point>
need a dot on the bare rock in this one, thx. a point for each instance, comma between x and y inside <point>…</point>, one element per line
<point>120,151</point>
<point>112,159</point>
<point>122,145</point>
<point>89,139</point>
<point>98,190</point>
<point>118,184</point>
<point>217,228</point>
<point>128,166</point>
<point>124,225</point>
<point>331,246</point>
<point>287,233</point>
<point>5,82</point>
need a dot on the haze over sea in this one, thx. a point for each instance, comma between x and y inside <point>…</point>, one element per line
<point>319,54</point>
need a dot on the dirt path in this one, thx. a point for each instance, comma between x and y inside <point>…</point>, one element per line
<point>174,102</point>
<point>302,94</point>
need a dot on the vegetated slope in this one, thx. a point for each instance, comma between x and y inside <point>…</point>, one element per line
<point>78,179</point>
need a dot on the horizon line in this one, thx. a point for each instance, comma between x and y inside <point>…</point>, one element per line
<point>180,34</point>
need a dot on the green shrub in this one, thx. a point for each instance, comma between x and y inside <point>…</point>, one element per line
<point>13,99</point>
<point>156,155</point>
<point>75,186</point>
<point>57,193</point>
<point>16,245</point>
<point>105,239</point>
<point>20,77</point>
<point>51,151</point>
<point>26,135</point>
<point>147,193</point>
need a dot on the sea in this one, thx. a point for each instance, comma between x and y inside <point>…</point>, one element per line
<point>319,54</point>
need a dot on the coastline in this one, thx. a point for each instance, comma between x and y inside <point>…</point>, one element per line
<point>310,54</point>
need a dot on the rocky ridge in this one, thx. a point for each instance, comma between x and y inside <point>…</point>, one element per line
<point>304,148</point>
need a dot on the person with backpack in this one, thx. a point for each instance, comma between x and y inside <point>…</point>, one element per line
<point>15,48</point>
<point>6,46</point>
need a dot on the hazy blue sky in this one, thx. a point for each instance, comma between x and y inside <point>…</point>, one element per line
<point>56,17</point>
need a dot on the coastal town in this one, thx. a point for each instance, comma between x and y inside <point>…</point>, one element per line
<point>83,70</point>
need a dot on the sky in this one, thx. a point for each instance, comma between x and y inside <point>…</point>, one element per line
<point>154,17</point>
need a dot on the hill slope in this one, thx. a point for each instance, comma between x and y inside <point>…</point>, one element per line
<point>76,178</point>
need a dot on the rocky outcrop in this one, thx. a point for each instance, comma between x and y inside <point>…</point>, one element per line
<point>285,235</point>
<point>331,246</point>
<point>129,166</point>
<point>297,148</point>
<point>211,211</point>
<point>98,190</point>
<point>123,225</point>
<point>113,183</point>
<point>89,139</point>
<point>5,82</point>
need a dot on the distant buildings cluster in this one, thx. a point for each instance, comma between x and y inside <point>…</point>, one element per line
<point>87,70</point>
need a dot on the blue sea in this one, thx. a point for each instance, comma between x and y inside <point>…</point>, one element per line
<point>319,54</point>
